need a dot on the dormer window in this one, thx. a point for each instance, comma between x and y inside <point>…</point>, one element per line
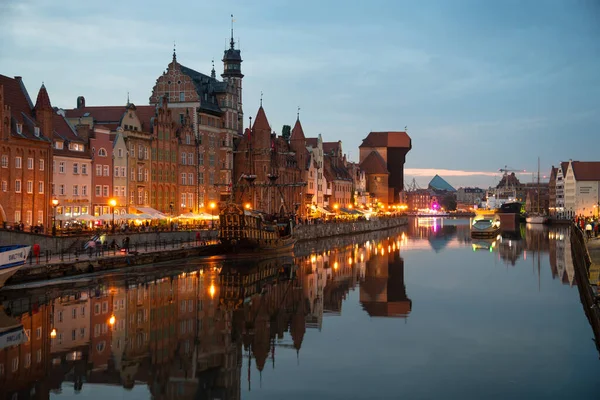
<point>36,131</point>
<point>20,129</point>
<point>76,147</point>
<point>58,145</point>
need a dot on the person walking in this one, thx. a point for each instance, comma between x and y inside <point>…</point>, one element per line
<point>588,230</point>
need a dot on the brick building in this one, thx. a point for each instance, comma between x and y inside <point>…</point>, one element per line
<point>277,185</point>
<point>392,148</point>
<point>25,154</point>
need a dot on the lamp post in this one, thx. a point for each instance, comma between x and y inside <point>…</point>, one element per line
<point>54,204</point>
<point>212,206</point>
<point>113,203</point>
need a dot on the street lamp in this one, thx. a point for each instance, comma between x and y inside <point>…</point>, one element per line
<point>247,206</point>
<point>212,206</point>
<point>54,204</point>
<point>171,208</point>
<point>113,203</point>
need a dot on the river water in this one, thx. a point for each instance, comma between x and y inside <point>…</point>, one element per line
<point>420,312</point>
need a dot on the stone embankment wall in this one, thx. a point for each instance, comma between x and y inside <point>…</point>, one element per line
<point>582,262</point>
<point>317,231</point>
<point>58,243</point>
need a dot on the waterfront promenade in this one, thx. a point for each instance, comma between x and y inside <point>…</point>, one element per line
<point>68,256</point>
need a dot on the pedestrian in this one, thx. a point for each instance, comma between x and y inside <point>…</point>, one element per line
<point>91,247</point>
<point>588,230</point>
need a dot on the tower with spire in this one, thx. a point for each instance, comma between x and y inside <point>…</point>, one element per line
<point>232,74</point>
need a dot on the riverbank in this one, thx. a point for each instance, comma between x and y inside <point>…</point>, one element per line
<point>149,247</point>
<point>586,260</point>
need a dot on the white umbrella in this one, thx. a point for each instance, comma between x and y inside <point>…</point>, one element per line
<point>190,215</point>
<point>144,216</point>
<point>107,217</point>
<point>85,217</point>
<point>63,217</point>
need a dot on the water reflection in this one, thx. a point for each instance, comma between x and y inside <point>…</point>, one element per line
<point>209,330</point>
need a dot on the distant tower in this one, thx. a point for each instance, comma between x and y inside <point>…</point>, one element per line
<point>232,74</point>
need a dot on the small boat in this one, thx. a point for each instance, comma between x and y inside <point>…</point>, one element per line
<point>485,226</point>
<point>12,258</point>
<point>536,219</point>
<point>11,331</point>
<point>244,231</point>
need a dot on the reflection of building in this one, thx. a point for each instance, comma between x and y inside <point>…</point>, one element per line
<point>383,293</point>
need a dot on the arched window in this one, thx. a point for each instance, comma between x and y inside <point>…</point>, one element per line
<point>102,152</point>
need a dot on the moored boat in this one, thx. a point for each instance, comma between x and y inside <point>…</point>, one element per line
<point>537,219</point>
<point>11,331</point>
<point>243,231</point>
<point>12,258</point>
<point>485,226</point>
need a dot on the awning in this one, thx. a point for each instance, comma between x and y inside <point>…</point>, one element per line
<point>324,211</point>
<point>349,211</point>
<point>154,214</point>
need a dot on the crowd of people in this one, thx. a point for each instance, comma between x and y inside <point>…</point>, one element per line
<point>589,225</point>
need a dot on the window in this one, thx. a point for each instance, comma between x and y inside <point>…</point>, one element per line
<point>145,174</point>
<point>27,360</point>
<point>140,196</point>
<point>181,118</point>
<point>18,162</point>
<point>28,217</point>
<point>76,168</point>
<point>40,219</point>
<point>15,364</point>
<point>191,158</point>
<point>116,172</point>
<point>145,153</point>
<point>211,160</point>
<point>201,178</point>
<point>60,316</point>
<point>183,199</point>
<point>120,153</point>
<point>83,311</point>
<point>131,196</point>
<point>76,146</point>
<point>4,161</point>
<point>188,139</point>
<point>18,186</point>
<point>30,163</point>
<point>102,152</point>
<point>181,97</point>
<point>17,216</point>
<point>75,190</point>
<point>98,190</point>
<point>184,178</point>
<point>58,145</point>
<point>84,190</point>
<point>61,167</point>
<point>105,191</point>
<point>4,186</point>
<point>96,309</point>
<point>140,174</point>
<point>84,169</point>
<point>132,150</point>
<point>140,150</point>
<point>133,174</point>
<point>98,170</point>
<point>106,170</point>
<point>191,178</point>
<point>123,172</point>
<point>61,190</point>
<point>211,178</point>
<point>116,191</point>
<point>40,187</point>
<point>183,158</point>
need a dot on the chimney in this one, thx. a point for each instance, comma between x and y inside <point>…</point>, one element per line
<point>80,102</point>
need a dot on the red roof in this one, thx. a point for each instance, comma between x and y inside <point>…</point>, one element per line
<point>387,139</point>
<point>374,164</point>
<point>110,116</point>
<point>261,122</point>
<point>329,147</point>
<point>297,132</point>
<point>564,165</point>
<point>586,170</point>
<point>43,101</point>
<point>15,95</point>
<point>312,141</point>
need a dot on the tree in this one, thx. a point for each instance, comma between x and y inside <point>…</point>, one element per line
<point>286,132</point>
<point>448,202</point>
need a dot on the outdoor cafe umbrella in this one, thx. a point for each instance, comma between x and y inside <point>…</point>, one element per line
<point>64,217</point>
<point>107,217</point>
<point>189,215</point>
<point>85,217</point>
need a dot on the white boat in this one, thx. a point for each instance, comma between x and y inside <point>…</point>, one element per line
<point>537,219</point>
<point>11,331</point>
<point>485,226</point>
<point>12,258</point>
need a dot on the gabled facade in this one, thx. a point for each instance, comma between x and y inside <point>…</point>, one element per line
<point>120,177</point>
<point>339,181</point>
<point>71,165</point>
<point>315,147</point>
<point>189,193</point>
<point>582,188</point>
<point>103,173</point>
<point>303,161</point>
<point>26,133</point>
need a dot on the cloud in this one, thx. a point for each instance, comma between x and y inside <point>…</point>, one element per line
<point>450,172</point>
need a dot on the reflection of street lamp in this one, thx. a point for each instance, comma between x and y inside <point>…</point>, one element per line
<point>247,206</point>
<point>113,203</point>
<point>212,206</point>
<point>53,333</point>
<point>54,204</point>
<point>112,320</point>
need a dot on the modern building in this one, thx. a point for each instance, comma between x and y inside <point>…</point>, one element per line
<point>582,188</point>
<point>439,184</point>
<point>25,155</point>
<point>469,195</point>
<point>391,148</point>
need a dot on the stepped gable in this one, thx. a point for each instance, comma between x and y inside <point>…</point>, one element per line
<point>387,139</point>
<point>439,183</point>
<point>586,170</point>
<point>374,164</point>
<point>206,88</point>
